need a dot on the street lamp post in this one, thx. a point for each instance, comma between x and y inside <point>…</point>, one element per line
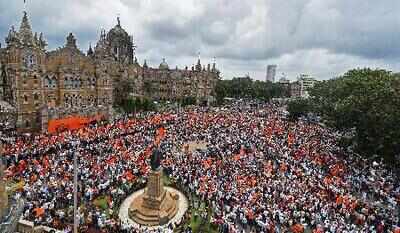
<point>76,188</point>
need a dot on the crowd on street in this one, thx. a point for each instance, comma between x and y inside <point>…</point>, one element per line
<point>258,173</point>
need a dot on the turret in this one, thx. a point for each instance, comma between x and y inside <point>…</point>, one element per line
<point>25,31</point>
<point>25,36</point>
<point>12,38</point>
<point>71,41</point>
<point>198,65</point>
<point>42,42</point>
<point>35,38</point>
<point>90,52</point>
<point>214,68</point>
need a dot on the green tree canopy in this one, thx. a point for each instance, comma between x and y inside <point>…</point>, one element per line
<point>247,88</point>
<point>364,101</point>
<point>298,108</point>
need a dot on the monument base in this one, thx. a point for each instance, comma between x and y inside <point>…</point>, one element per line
<point>156,206</point>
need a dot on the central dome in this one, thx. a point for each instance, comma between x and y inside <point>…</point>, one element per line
<point>118,32</point>
<point>164,65</point>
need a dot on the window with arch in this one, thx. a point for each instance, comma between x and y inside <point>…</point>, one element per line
<point>79,100</point>
<point>73,83</point>
<point>35,79</point>
<point>66,83</point>
<point>66,100</point>
<point>25,98</point>
<point>27,124</point>
<point>78,83</point>
<point>36,96</point>
<point>53,82</point>
<point>92,82</point>
<point>24,79</point>
<point>92,100</point>
<point>71,100</point>
<point>47,82</point>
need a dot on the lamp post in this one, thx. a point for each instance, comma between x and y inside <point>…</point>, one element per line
<point>75,145</point>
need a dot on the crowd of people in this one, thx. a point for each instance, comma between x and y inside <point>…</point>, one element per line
<point>259,172</point>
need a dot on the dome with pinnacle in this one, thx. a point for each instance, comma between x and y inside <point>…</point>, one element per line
<point>164,65</point>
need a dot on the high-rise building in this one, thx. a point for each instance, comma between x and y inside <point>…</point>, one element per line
<point>301,87</point>
<point>271,72</point>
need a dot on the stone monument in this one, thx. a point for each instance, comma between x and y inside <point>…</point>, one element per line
<point>156,206</point>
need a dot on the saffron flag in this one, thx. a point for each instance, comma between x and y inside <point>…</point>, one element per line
<point>160,135</point>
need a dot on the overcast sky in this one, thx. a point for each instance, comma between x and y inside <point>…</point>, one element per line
<point>323,38</point>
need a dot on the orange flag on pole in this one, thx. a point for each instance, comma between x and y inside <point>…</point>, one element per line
<point>160,135</point>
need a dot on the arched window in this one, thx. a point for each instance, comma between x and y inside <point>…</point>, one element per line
<point>66,100</point>
<point>24,79</point>
<point>36,96</point>
<point>27,124</point>
<point>66,82</point>
<point>79,100</point>
<point>47,82</point>
<point>54,82</point>
<point>25,99</point>
<point>78,82</point>
<point>93,82</point>
<point>75,83</point>
<point>92,100</point>
<point>35,79</point>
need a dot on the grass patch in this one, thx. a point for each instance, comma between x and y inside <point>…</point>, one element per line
<point>166,180</point>
<point>101,202</point>
<point>199,224</point>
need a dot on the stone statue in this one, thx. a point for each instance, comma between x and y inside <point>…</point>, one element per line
<point>155,160</point>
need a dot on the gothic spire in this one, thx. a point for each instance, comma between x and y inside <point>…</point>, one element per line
<point>214,68</point>
<point>25,30</point>
<point>12,36</point>
<point>42,41</point>
<point>90,51</point>
<point>198,65</point>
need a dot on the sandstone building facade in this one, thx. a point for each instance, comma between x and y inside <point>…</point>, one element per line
<point>43,85</point>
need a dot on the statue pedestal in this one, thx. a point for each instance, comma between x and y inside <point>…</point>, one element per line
<point>155,206</point>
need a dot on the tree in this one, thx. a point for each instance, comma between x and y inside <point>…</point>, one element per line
<point>367,102</point>
<point>131,105</point>
<point>247,88</point>
<point>122,90</point>
<point>188,101</point>
<point>298,108</point>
